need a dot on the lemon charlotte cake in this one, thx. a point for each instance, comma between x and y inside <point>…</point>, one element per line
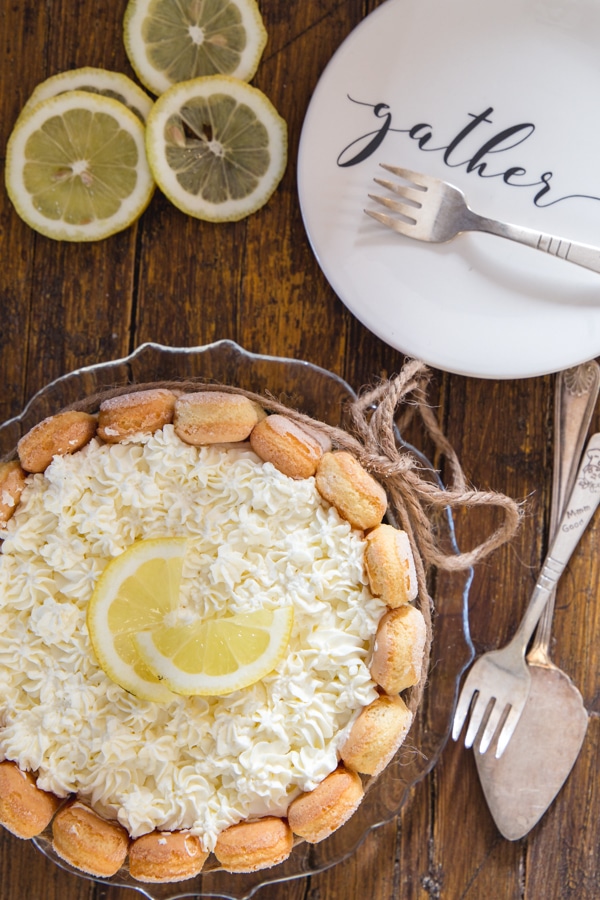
<point>205,629</point>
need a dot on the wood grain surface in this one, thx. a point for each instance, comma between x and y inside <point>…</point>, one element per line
<point>181,282</point>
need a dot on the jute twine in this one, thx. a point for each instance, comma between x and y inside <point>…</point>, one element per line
<point>416,499</point>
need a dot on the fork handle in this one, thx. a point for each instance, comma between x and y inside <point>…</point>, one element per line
<point>581,254</point>
<point>580,508</point>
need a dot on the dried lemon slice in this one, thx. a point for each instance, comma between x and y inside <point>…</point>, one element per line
<point>136,591</point>
<point>96,81</point>
<point>217,147</point>
<point>169,41</point>
<point>76,167</point>
<point>220,655</point>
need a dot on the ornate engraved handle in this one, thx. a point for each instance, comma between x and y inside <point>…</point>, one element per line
<point>578,513</point>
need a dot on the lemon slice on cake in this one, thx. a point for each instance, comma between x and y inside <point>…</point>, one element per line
<point>220,655</point>
<point>135,592</point>
<point>139,643</point>
<point>76,167</point>
<point>217,147</point>
<point>168,41</point>
<point>96,81</point>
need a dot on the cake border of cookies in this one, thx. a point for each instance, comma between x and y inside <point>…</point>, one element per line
<point>219,414</point>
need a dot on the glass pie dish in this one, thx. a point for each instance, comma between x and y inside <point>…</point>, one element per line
<point>322,395</point>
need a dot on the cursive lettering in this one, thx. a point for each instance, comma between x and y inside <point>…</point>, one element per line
<point>484,162</point>
<point>580,511</point>
<point>572,526</point>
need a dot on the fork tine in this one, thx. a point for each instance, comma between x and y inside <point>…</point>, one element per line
<point>395,206</point>
<point>478,712</point>
<point>402,190</point>
<point>462,710</point>
<point>398,225</point>
<point>495,720</point>
<point>514,714</point>
<point>416,178</point>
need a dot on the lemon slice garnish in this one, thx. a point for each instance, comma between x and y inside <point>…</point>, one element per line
<point>76,167</point>
<point>168,41</point>
<point>217,147</point>
<point>130,622</point>
<point>96,81</point>
<point>220,655</point>
<point>135,592</point>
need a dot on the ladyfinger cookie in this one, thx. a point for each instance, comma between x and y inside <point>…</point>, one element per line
<point>57,435</point>
<point>165,856</point>
<point>214,417</point>
<point>292,450</point>
<point>249,846</point>
<point>319,436</point>
<point>316,814</point>
<point>390,566</point>
<point>87,841</point>
<point>343,482</point>
<point>25,810</point>
<point>376,735</point>
<point>12,482</point>
<point>140,412</point>
<point>398,649</point>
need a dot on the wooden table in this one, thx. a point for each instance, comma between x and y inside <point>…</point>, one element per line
<point>180,282</point>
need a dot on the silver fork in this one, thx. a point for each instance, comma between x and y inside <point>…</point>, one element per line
<point>497,685</point>
<point>433,210</point>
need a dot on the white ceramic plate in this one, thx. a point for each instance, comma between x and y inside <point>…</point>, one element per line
<point>501,99</point>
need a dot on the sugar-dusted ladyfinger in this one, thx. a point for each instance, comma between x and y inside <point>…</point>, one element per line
<point>87,841</point>
<point>398,650</point>
<point>376,735</point>
<point>57,435</point>
<point>140,412</point>
<point>343,482</point>
<point>316,814</point>
<point>12,482</point>
<point>214,417</point>
<point>390,566</point>
<point>249,846</point>
<point>290,448</point>
<point>165,856</point>
<point>25,810</point>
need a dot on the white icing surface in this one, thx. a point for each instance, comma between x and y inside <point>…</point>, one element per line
<point>257,538</point>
